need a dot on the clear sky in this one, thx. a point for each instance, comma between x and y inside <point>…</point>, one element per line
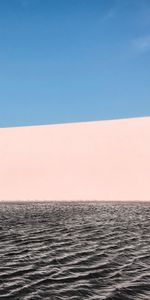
<point>73,60</point>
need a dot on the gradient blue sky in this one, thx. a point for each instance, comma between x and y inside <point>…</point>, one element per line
<point>73,60</point>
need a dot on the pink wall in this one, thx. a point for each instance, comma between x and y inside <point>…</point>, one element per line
<point>105,160</point>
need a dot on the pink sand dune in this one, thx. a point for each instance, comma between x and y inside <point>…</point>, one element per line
<point>104,160</point>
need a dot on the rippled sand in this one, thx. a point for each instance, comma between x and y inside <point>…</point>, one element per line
<point>75,251</point>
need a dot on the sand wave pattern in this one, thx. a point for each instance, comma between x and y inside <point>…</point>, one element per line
<point>71,251</point>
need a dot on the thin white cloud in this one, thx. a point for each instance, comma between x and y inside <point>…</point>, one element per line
<point>142,44</point>
<point>109,15</point>
<point>24,3</point>
<point>113,11</point>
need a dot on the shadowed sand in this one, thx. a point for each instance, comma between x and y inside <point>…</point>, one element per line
<point>104,160</point>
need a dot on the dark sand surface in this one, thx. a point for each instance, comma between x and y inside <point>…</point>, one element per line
<point>71,251</point>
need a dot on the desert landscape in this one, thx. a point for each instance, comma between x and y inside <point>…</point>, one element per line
<point>101,160</point>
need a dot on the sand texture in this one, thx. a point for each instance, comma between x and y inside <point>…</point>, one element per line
<point>102,160</point>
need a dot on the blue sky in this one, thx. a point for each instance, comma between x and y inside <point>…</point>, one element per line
<point>73,60</point>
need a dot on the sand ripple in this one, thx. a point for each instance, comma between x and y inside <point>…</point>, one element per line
<point>65,251</point>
